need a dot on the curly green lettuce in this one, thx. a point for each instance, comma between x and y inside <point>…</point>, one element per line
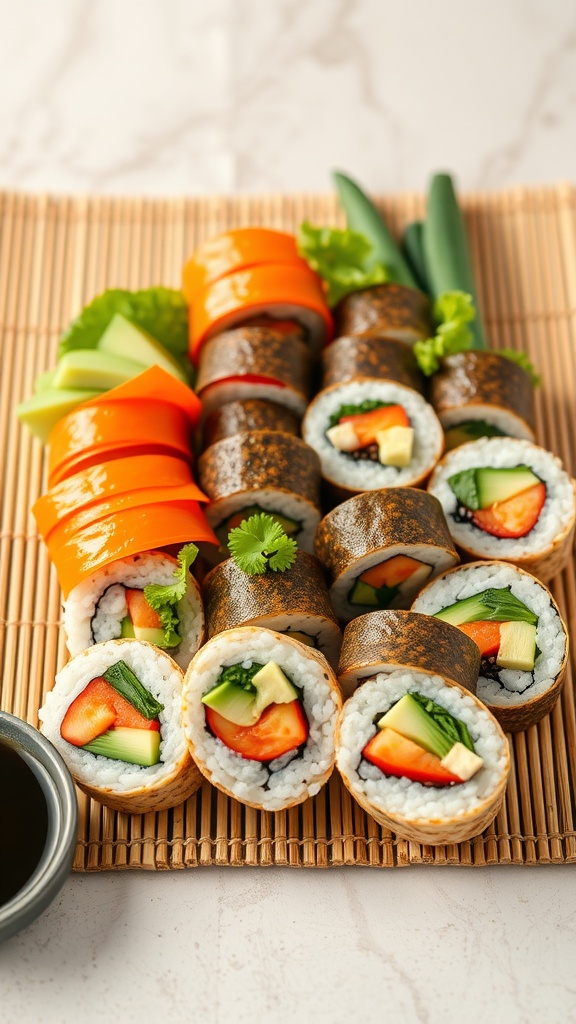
<point>452,311</point>
<point>341,258</point>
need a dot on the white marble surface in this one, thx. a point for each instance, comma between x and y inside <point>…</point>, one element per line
<point>187,97</point>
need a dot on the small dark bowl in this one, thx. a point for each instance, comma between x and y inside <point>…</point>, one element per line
<point>60,795</point>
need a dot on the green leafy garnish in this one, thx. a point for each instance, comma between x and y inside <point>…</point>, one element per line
<point>129,686</point>
<point>341,258</point>
<point>161,312</point>
<point>260,543</point>
<point>452,311</point>
<point>368,405</point>
<point>453,728</point>
<point>164,598</point>
<point>521,359</point>
<point>465,486</point>
<point>239,676</point>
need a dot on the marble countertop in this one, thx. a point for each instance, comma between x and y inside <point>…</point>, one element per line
<point>184,97</point>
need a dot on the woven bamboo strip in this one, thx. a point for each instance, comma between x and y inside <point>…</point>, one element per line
<point>55,254</point>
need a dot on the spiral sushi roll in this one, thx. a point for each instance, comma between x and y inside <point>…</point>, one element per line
<point>380,548</point>
<point>481,393</point>
<point>357,357</point>
<point>294,602</point>
<point>260,713</point>
<point>124,746</point>
<point>246,415</point>
<point>371,434</point>
<point>263,471</point>
<point>254,362</point>
<point>510,500</point>
<point>398,756</point>
<point>516,624</point>
<point>386,311</point>
<point>111,604</point>
<point>391,640</point>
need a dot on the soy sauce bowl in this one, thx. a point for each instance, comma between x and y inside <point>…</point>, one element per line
<point>58,790</point>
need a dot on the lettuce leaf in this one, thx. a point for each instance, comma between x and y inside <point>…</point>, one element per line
<point>162,312</point>
<point>521,359</point>
<point>341,258</point>
<point>452,311</point>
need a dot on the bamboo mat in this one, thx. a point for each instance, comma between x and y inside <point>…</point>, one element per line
<point>55,255</point>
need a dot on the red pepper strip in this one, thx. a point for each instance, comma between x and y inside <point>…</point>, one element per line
<point>236,250</point>
<point>244,378</point>
<point>107,481</point>
<point>135,530</point>
<point>253,291</point>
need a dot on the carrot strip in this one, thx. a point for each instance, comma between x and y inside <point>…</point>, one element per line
<point>236,250</point>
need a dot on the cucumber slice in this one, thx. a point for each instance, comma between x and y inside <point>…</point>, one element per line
<point>136,746</point>
<point>363,593</point>
<point>500,484</point>
<point>232,702</point>
<point>493,605</point>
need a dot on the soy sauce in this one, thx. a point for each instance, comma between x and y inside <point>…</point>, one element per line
<point>23,821</point>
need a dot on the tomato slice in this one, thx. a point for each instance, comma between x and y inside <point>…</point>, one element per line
<point>396,755</point>
<point>98,708</point>
<point>280,728</point>
<point>514,517</point>
<point>368,424</point>
<point>485,634</point>
<point>141,613</point>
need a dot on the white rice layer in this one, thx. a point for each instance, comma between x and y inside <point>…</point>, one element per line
<point>505,420</point>
<point>500,453</point>
<point>324,633</point>
<point>94,609</point>
<point>513,687</point>
<point>158,673</point>
<point>437,558</point>
<point>366,475</point>
<point>218,394</point>
<point>295,775</point>
<point>413,800</point>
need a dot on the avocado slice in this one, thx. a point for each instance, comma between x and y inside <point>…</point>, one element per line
<point>363,593</point>
<point>127,629</point>
<point>244,707</point>
<point>411,720</point>
<point>41,412</point>
<point>471,430</point>
<point>44,381</point>
<point>90,368</point>
<point>136,746</point>
<point>232,702</point>
<point>122,338</point>
<point>517,646</point>
<point>272,687</point>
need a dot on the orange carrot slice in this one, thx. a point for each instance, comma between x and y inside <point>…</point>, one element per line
<point>485,634</point>
<point>368,424</point>
<point>391,572</point>
<point>396,755</point>
<point>236,250</point>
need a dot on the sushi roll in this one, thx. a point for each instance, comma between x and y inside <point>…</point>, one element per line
<point>294,602</point>
<point>245,415</point>
<point>482,394</point>
<point>254,362</point>
<point>386,311</point>
<point>423,758</point>
<point>112,604</point>
<point>371,434</point>
<point>509,500</point>
<point>263,471</point>
<point>380,548</point>
<point>522,640</point>
<point>357,357</point>
<point>260,713</point>
<point>390,640</point>
<point>115,715</point>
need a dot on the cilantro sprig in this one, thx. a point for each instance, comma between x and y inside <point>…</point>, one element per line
<point>164,598</point>
<point>260,543</point>
<point>341,258</point>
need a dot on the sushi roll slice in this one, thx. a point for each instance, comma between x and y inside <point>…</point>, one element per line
<point>254,362</point>
<point>386,311</point>
<point>423,758</point>
<point>112,604</point>
<point>522,640</point>
<point>260,713</point>
<point>115,715</point>
<point>482,394</point>
<point>357,357</point>
<point>509,500</point>
<point>245,415</point>
<point>263,471</point>
<point>390,640</point>
<point>371,434</point>
<point>294,602</point>
<point>380,549</point>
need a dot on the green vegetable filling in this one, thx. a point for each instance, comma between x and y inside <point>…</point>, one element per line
<point>492,605</point>
<point>164,599</point>
<point>368,405</point>
<point>129,686</point>
<point>452,728</point>
<point>341,258</point>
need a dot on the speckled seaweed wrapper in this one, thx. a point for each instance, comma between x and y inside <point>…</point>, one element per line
<point>259,351</point>
<point>386,311</point>
<point>357,358</point>
<point>483,378</point>
<point>246,415</point>
<point>263,460</point>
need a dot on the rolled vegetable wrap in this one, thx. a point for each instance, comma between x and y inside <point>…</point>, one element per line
<point>254,362</point>
<point>380,548</point>
<point>481,393</point>
<point>386,311</point>
<point>507,499</point>
<point>260,713</point>
<point>236,250</point>
<point>262,471</point>
<point>115,716</point>
<point>294,602</point>
<point>423,758</point>
<point>355,358</point>
<point>516,624</point>
<point>244,416</point>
